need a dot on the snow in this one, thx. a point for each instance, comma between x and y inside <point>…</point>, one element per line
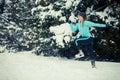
<point>73,18</point>
<point>106,13</point>
<point>89,10</point>
<point>70,3</point>
<point>55,13</point>
<point>2,49</point>
<point>41,8</point>
<point>27,66</point>
<point>37,1</point>
<point>112,42</point>
<point>62,19</point>
<point>60,32</point>
<point>8,1</point>
<point>51,12</point>
<point>14,27</point>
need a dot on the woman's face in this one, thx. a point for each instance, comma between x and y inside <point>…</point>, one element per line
<point>80,18</point>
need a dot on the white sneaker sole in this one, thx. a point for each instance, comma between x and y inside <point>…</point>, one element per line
<point>79,56</point>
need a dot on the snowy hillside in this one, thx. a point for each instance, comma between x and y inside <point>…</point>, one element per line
<point>27,66</point>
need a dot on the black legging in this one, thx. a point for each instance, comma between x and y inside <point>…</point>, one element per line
<point>88,45</point>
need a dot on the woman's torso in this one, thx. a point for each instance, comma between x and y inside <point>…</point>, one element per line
<point>84,30</point>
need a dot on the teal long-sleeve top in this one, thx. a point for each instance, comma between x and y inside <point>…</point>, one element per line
<point>84,30</point>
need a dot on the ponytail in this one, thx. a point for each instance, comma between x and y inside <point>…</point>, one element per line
<point>82,23</point>
<point>84,18</point>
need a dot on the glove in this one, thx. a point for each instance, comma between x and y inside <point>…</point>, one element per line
<point>107,28</point>
<point>107,25</point>
<point>75,33</point>
<point>69,21</point>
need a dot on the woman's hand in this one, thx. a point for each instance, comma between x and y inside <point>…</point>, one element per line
<point>69,21</point>
<point>107,25</point>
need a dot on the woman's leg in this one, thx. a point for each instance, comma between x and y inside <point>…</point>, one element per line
<point>91,54</point>
<point>89,48</point>
<point>77,44</point>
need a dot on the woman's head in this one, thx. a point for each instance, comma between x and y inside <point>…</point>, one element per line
<point>81,15</point>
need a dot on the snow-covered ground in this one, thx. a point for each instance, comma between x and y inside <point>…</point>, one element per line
<point>27,66</point>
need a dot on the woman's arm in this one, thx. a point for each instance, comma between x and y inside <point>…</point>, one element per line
<point>96,24</point>
<point>74,27</point>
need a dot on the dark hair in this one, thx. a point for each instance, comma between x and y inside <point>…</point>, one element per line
<point>82,14</point>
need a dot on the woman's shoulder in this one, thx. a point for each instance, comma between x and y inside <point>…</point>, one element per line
<point>77,23</point>
<point>88,22</point>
